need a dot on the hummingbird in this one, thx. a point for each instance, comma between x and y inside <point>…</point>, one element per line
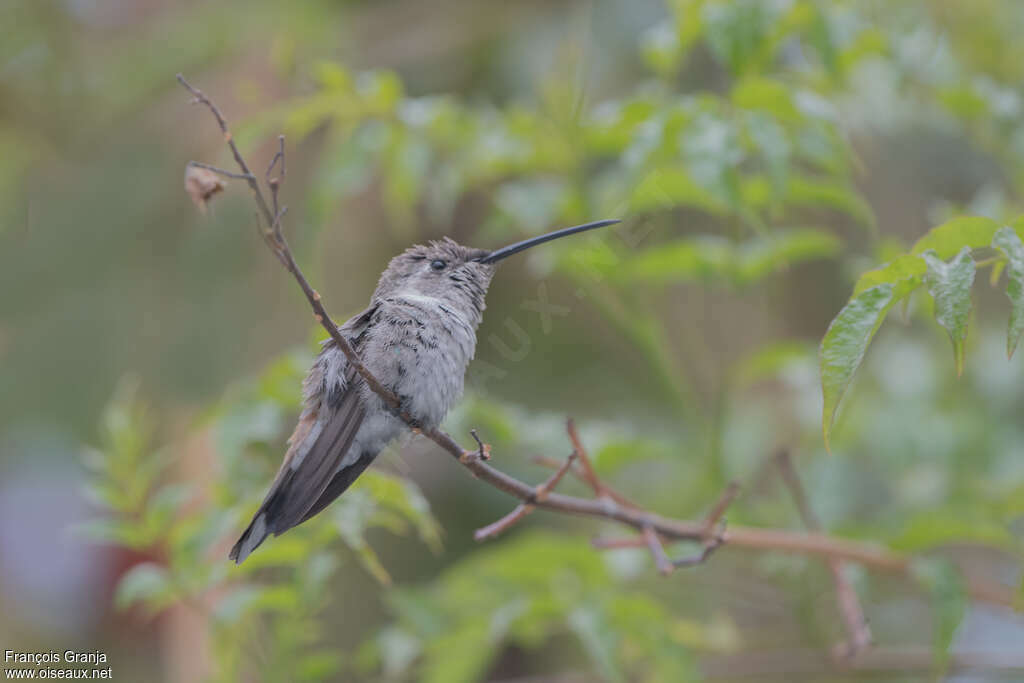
<point>416,337</point>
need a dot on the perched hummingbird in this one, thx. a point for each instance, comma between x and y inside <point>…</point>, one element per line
<point>416,337</point>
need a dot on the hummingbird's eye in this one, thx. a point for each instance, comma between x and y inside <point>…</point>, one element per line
<point>438,264</point>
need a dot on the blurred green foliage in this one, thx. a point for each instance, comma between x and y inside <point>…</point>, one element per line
<point>735,162</point>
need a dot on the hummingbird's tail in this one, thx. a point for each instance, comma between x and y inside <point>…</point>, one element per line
<point>251,538</point>
<point>317,457</point>
<point>269,519</point>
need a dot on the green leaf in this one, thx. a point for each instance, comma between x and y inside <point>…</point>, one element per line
<point>661,49</point>
<point>146,582</point>
<point>846,341</point>
<point>953,524</point>
<point>948,594</point>
<point>461,655</point>
<point>598,638</point>
<point>769,361</point>
<point>829,193</point>
<point>904,269</point>
<point>398,650</point>
<point>235,603</point>
<point>666,188</point>
<point>949,238</point>
<point>319,666</point>
<point>352,515</point>
<point>710,257</point>
<point>695,258</point>
<point>950,286</point>
<point>767,95</point>
<point>402,496</point>
<point>1007,241</point>
<point>617,454</point>
<point>774,251</point>
<point>111,530</point>
<point>737,33</point>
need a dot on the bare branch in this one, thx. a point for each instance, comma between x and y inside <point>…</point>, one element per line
<point>718,510</point>
<point>608,506</point>
<point>589,475</point>
<point>200,98</point>
<point>527,507</point>
<point>219,171</point>
<point>649,537</point>
<point>578,472</point>
<point>661,561</point>
<point>846,596</point>
<point>710,546</point>
<point>275,183</point>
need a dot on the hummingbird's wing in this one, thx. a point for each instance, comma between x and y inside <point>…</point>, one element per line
<point>313,466</point>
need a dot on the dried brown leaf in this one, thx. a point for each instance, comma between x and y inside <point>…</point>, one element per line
<point>201,184</point>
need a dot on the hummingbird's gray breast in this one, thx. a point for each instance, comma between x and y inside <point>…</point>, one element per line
<point>420,347</point>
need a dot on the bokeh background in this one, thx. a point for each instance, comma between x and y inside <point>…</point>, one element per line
<point>762,156</point>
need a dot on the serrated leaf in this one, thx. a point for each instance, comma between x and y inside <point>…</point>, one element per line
<point>1007,241</point>
<point>948,595</point>
<point>949,238</point>
<point>846,341</point>
<point>950,286</point>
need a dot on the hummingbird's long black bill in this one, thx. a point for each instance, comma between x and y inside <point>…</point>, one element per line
<point>504,252</point>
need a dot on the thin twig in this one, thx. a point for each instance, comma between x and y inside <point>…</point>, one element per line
<point>608,508</point>
<point>846,596</point>
<point>578,472</point>
<point>200,98</point>
<point>275,183</point>
<point>589,475</point>
<point>661,560</point>
<point>649,537</point>
<point>218,170</point>
<point>710,546</point>
<point>719,508</point>
<point>526,507</point>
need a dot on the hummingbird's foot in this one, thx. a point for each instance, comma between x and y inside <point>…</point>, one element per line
<point>483,451</point>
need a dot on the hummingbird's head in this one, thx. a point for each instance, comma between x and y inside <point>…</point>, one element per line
<point>451,272</point>
<point>443,269</point>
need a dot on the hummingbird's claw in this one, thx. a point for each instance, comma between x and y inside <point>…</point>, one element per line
<point>483,451</point>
